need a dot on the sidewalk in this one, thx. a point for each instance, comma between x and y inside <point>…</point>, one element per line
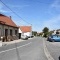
<point>12,42</point>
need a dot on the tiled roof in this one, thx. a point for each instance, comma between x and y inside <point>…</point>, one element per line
<point>6,20</point>
<point>25,28</point>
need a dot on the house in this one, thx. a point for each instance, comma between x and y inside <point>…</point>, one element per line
<point>8,29</point>
<point>53,32</point>
<point>56,32</point>
<point>25,30</point>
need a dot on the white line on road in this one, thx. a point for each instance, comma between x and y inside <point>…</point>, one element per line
<point>49,57</point>
<point>15,48</point>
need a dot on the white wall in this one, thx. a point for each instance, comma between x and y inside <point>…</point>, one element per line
<point>54,32</point>
<point>28,33</point>
<point>19,31</point>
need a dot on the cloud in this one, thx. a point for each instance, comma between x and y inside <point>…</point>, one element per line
<point>53,23</point>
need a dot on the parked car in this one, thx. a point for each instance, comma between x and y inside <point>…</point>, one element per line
<point>24,37</point>
<point>53,38</point>
<point>32,36</point>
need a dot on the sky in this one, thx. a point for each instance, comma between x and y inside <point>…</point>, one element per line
<point>37,13</point>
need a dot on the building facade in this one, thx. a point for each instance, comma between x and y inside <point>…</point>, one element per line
<point>25,30</point>
<point>8,29</point>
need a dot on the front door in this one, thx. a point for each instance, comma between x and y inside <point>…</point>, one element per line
<point>6,33</point>
<point>19,35</point>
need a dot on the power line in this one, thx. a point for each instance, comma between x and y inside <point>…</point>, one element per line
<point>14,12</point>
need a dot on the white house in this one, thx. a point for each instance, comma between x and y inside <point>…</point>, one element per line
<point>25,30</point>
<point>54,32</point>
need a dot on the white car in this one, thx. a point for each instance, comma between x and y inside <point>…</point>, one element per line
<point>24,37</point>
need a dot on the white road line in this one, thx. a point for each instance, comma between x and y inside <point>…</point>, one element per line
<point>24,45</point>
<point>15,48</point>
<point>49,57</point>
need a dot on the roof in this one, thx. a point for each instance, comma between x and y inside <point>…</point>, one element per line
<point>6,20</point>
<point>25,28</point>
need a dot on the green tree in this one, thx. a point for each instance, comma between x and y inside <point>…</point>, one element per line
<point>34,33</point>
<point>50,33</point>
<point>46,31</point>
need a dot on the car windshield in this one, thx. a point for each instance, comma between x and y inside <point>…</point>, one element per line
<point>29,29</point>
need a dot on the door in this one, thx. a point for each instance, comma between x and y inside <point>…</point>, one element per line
<point>19,35</point>
<point>6,33</point>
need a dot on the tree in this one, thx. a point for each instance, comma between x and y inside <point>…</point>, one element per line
<point>34,33</point>
<point>46,31</point>
<point>50,33</point>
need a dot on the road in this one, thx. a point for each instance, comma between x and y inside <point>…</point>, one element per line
<point>27,50</point>
<point>54,49</point>
<point>36,48</point>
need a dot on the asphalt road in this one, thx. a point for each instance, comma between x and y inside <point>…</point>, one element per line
<point>32,49</point>
<point>54,49</point>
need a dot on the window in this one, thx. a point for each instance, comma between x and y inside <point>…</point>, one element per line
<point>6,32</point>
<point>15,32</point>
<point>11,32</point>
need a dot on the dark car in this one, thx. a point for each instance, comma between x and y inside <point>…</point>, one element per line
<point>53,38</point>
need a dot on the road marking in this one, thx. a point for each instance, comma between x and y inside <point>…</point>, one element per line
<point>15,48</point>
<point>49,57</point>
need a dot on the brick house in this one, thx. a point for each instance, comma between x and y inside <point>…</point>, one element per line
<point>8,29</point>
<point>25,30</point>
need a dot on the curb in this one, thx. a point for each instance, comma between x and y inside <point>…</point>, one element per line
<point>11,42</point>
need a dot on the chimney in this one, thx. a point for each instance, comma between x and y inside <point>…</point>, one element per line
<point>10,17</point>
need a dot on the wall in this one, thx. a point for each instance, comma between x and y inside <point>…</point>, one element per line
<point>28,33</point>
<point>1,30</point>
<point>3,27</point>
<point>19,31</point>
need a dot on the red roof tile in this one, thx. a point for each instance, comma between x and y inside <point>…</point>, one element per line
<point>6,20</point>
<point>25,28</point>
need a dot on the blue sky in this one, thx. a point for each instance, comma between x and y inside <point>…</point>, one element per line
<point>39,13</point>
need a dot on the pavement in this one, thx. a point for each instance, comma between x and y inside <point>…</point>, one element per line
<point>31,49</point>
<point>12,42</point>
<point>54,49</point>
<point>36,48</point>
